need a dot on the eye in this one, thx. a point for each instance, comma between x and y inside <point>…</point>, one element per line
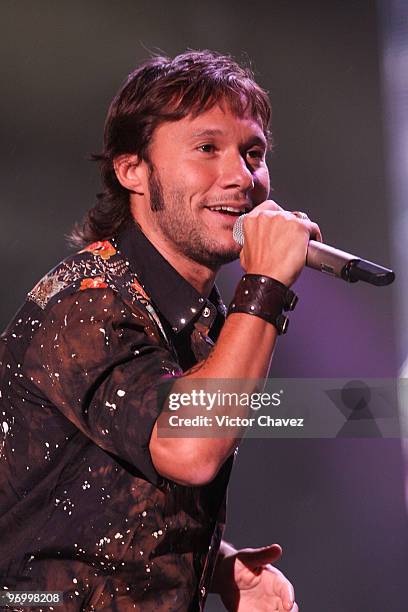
<point>256,154</point>
<point>207,148</point>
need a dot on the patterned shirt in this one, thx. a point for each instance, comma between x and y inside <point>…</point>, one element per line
<point>82,508</point>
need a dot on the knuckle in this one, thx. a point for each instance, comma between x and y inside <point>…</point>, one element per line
<point>274,205</point>
<point>269,205</point>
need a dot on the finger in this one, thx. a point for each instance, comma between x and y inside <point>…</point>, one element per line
<point>314,230</point>
<point>316,233</point>
<point>270,205</point>
<point>287,595</point>
<point>284,589</point>
<point>255,557</point>
<point>293,609</point>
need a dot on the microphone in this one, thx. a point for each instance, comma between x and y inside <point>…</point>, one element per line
<point>325,258</point>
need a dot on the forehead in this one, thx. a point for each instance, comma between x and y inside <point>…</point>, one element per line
<point>217,122</point>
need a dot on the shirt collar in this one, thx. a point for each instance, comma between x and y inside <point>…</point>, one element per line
<point>174,297</point>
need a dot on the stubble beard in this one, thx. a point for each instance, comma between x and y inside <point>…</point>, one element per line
<point>174,219</point>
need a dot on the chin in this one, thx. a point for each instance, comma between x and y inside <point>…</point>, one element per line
<point>216,258</point>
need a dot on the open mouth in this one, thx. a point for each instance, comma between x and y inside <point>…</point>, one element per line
<point>229,211</point>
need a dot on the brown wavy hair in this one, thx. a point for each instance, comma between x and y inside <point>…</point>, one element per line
<point>163,89</point>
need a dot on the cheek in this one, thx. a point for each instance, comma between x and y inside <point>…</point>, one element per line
<point>202,171</point>
<point>191,176</point>
<point>197,179</point>
<point>262,186</point>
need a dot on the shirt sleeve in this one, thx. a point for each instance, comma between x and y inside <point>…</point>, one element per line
<point>101,364</point>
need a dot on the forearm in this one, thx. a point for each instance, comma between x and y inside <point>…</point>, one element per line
<point>241,357</point>
<point>243,350</point>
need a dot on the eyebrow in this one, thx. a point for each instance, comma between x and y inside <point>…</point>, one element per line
<point>208,133</point>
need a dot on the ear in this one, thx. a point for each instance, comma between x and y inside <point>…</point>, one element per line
<point>131,172</point>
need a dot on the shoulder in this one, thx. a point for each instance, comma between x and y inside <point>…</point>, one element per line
<point>97,279</point>
<point>89,268</point>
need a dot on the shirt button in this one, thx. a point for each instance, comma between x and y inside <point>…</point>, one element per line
<point>202,591</point>
<point>206,312</point>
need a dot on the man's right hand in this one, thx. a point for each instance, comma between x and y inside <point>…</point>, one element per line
<point>275,242</point>
<point>276,246</point>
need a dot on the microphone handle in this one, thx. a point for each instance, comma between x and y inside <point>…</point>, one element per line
<point>350,268</point>
<point>325,258</point>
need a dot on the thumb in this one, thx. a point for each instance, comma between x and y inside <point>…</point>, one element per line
<point>255,557</point>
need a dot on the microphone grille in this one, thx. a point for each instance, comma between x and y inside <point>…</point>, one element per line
<point>238,230</point>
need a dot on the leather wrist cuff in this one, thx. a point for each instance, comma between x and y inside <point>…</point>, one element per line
<point>264,297</point>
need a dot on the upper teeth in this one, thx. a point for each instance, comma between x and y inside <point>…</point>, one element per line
<point>227,209</point>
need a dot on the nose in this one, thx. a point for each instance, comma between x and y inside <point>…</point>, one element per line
<point>236,174</point>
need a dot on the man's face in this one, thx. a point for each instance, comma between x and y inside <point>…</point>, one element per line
<point>198,166</point>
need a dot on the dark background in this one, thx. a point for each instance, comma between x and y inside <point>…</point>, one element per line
<point>336,506</point>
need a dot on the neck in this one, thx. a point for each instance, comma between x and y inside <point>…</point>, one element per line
<point>198,275</point>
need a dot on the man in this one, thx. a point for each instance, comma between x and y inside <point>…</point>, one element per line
<point>94,502</point>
